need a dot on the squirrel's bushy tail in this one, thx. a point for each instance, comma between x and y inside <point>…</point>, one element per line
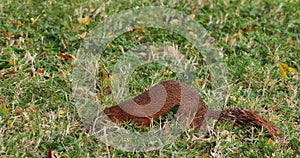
<point>247,117</point>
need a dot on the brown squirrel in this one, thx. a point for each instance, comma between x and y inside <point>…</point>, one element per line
<point>171,93</point>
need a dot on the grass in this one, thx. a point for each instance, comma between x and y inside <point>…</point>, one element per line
<point>38,114</point>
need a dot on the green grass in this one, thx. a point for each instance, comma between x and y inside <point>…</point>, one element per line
<point>41,115</point>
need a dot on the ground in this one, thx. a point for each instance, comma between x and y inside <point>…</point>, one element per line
<point>39,40</point>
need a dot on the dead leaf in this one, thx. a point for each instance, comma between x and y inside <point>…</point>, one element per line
<point>271,57</point>
<point>9,121</point>
<point>31,73</point>
<point>233,98</point>
<point>4,108</point>
<point>18,110</point>
<point>175,22</point>
<point>107,90</point>
<point>40,71</point>
<point>282,72</point>
<point>271,142</point>
<point>8,73</point>
<point>292,70</point>
<point>84,20</point>
<point>78,27</point>
<point>191,16</point>
<point>153,48</point>
<point>16,42</point>
<point>283,68</point>
<point>51,2</point>
<point>234,38</point>
<point>66,57</point>
<point>105,77</point>
<point>201,138</point>
<point>83,35</point>
<point>206,155</point>
<point>9,35</point>
<point>100,96</point>
<point>31,109</point>
<point>25,117</point>
<point>26,129</point>
<point>245,29</point>
<point>139,29</point>
<point>32,20</point>
<point>18,23</point>
<point>200,81</point>
<point>11,62</point>
<point>192,33</point>
<point>60,112</point>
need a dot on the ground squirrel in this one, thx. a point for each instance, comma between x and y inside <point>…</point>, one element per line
<point>173,91</point>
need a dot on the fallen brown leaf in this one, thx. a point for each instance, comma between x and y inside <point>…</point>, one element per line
<point>18,110</point>
<point>84,20</point>
<point>66,57</point>
<point>40,71</point>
